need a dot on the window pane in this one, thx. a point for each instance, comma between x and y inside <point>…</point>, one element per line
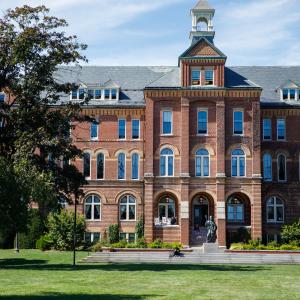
<point>167,122</point>
<point>122,129</point>
<point>281,129</point>
<point>97,94</point>
<point>162,210</point>
<point>131,212</point>
<point>279,214</point>
<point>91,94</point>
<point>242,166</point>
<point>206,166</point>
<point>122,236</point>
<point>209,77</point>
<point>135,166</point>
<point>171,210</point>
<point>121,166</point>
<point>170,165</point>
<point>131,237</point>
<point>88,212</point>
<point>163,166</point>
<point>96,237</point>
<point>94,130</point>
<point>81,93</point>
<point>100,166</point>
<point>96,212</point>
<point>202,122</point>
<point>234,166</point>
<point>135,129</point>
<point>267,130</point>
<point>281,168</point>
<point>285,94</point>
<point>238,122</point>
<point>198,166</point>
<point>292,94</point>
<point>86,165</point>
<point>74,94</point>
<point>88,237</point>
<point>196,74</point>
<point>267,162</point>
<point>270,212</point>
<point>123,212</point>
<point>114,94</point>
<point>106,94</point>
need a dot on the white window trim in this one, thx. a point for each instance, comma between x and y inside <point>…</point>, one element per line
<point>93,209</point>
<point>92,236</point>
<point>270,139</point>
<point>122,139</point>
<point>139,138</point>
<point>275,211</point>
<point>200,110</point>
<point>123,179</point>
<point>277,124</point>
<point>166,156</point>
<point>243,121</point>
<point>200,79</point>
<point>136,179</point>
<point>127,209</point>
<point>202,165</point>
<point>104,162</point>
<point>267,180</point>
<point>285,160</point>
<point>238,165</point>
<point>162,127</point>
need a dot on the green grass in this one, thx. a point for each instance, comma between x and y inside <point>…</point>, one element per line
<point>33,275</point>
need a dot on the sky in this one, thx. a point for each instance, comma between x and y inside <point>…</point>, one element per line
<point>156,32</point>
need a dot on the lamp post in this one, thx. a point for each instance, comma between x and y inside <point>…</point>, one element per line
<point>17,243</point>
<point>74,232</point>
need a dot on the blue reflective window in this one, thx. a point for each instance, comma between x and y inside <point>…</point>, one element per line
<point>167,122</point>
<point>135,166</point>
<point>238,122</point>
<point>100,166</point>
<point>202,122</point>
<point>292,94</point>
<point>196,77</point>
<point>267,166</point>
<point>81,93</point>
<point>121,166</point>
<point>86,165</point>
<point>114,94</point>
<point>238,163</point>
<point>106,94</point>
<point>285,94</point>
<point>166,162</point>
<point>94,130</point>
<point>98,94</point>
<point>281,129</point>
<point>267,129</point>
<point>122,129</point>
<point>91,94</point>
<point>209,77</point>
<point>74,94</point>
<point>202,163</point>
<point>135,129</point>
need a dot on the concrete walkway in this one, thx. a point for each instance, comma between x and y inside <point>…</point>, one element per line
<point>195,257</point>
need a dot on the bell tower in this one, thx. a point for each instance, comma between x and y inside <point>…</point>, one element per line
<point>202,22</point>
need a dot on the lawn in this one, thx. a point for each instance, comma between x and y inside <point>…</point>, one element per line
<point>33,275</point>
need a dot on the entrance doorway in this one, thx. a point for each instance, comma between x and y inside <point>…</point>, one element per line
<point>200,212</point>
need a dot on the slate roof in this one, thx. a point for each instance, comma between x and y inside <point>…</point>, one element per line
<point>133,81</point>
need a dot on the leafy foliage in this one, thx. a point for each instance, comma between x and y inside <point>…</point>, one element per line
<point>139,228</point>
<point>291,233</point>
<point>60,227</point>
<point>44,243</point>
<point>114,233</point>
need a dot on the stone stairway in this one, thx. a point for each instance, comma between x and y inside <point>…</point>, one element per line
<point>198,237</point>
<point>195,257</point>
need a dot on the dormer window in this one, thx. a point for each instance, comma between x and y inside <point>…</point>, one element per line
<point>2,97</point>
<point>81,94</point>
<point>113,94</point>
<point>95,94</point>
<point>290,94</point>
<point>196,77</point>
<point>209,77</point>
<point>106,94</point>
<point>98,94</point>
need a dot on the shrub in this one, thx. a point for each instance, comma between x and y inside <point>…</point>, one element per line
<point>141,243</point>
<point>97,247</point>
<point>114,233</point>
<point>61,225</point>
<point>157,244</point>
<point>120,244</point>
<point>44,243</point>
<point>291,233</point>
<point>139,228</point>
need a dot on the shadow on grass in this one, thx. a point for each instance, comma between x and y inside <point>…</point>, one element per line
<point>77,297</point>
<point>42,265</point>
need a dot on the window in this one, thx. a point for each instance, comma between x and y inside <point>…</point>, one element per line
<point>238,164</point>
<point>281,167</point>
<point>74,94</point>
<point>98,94</point>
<point>202,122</point>
<point>135,166</point>
<point>92,208</point>
<point>106,94</point>
<point>275,210</point>
<point>91,94</point>
<point>128,237</point>
<point>100,166</point>
<point>209,77</point>
<point>267,129</point>
<point>122,129</point>
<point>2,97</point>
<point>166,211</point>
<point>81,94</point>
<point>167,122</point>
<point>127,208</point>
<point>281,129</point>
<point>196,77</point>
<point>121,166</point>
<point>166,162</point>
<point>113,94</point>
<point>285,94</point>
<point>87,165</point>
<point>238,121</point>
<point>135,129</point>
<point>202,163</point>
<point>94,131</point>
<point>290,94</point>
<point>92,237</point>
<point>267,166</point>
<point>235,210</point>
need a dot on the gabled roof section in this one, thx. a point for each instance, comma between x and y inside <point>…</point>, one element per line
<point>202,48</point>
<point>203,5</point>
<point>289,84</point>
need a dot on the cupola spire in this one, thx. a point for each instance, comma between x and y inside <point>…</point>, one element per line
<point>202,21</point>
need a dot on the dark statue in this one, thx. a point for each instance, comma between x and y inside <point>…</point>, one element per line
<point>212,230</point>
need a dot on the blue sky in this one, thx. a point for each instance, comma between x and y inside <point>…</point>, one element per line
<point>156,32</point>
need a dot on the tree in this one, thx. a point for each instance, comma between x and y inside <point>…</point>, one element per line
<point>34,138</point>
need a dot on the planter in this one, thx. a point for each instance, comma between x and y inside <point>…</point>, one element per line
<point>264,251</point>
<point>107,249</point>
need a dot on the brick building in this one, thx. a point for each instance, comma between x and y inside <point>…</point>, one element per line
<point>180,144</point>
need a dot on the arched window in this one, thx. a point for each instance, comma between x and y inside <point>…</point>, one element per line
<point>166,162</point>
<point>166,211</point>
<point>121,166</point>
<point>275,210</point>
<point>127,208</point>
<point>235,210</point>
<point>87,165</point>
<point>100,166</point>
<point>92,208</point>
<point>281,167</point>
<point>267,164</point>
<point>202,163</point>
<point>238,163</point>
<point>135,166</point>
